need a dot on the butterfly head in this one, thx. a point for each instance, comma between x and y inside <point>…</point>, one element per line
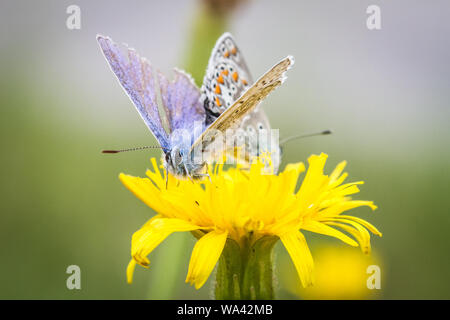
<point>174,158</point>
<point>180,163</point>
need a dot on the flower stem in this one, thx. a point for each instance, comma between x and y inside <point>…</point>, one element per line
<point>208,26</point>
<point>246,271</point>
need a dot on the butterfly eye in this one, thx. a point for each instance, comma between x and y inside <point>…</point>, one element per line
<point>177,157</point>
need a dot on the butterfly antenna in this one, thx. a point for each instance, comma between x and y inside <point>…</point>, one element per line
<point>132,149</point>
<point>325,132</point>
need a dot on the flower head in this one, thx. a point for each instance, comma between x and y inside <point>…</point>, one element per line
<point>246,205</point>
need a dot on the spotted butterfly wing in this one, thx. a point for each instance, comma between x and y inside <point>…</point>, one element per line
<point>227,78</point>
<point>245,105</point>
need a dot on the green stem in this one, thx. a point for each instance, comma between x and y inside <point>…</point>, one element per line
<point>246,272</point>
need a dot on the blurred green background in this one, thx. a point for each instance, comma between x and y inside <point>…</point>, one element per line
<point>385,94</point>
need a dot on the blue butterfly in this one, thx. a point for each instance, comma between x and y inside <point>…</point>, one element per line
<point>227,100</point>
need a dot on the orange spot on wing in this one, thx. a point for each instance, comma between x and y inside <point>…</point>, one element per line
<point>235,76</point>
<point>225,72</point>
<point>244,82</point>
<point>226,54</point>
<point>234,50</point>
<point>218,102</point>
<point>220,79</point>
<point>218,91</point>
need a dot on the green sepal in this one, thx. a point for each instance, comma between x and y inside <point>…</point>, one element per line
<point>245,271</point>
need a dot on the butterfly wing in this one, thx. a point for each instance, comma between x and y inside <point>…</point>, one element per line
<point>136,77</point>
<point>257,137</point>
<point>181,100</point>
<point>227,77</point>
<point>233,116</point>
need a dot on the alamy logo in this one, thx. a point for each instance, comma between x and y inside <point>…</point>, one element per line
<point>74,280</point>
<point>373,21</point>
<point>374,280</point>
<point>73,21</point>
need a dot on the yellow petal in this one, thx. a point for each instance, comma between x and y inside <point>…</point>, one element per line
<point>318,227</point>
<point>146,191</point>
<point>290,176</point>
<point>364,223</point>
<point>130,270</point>
<point>337,171</point>
<point>173,225</point>
<point>362,240</point>
<point>149,222</point>
<point>356,229</point>
<point>334,210</point>
<point>314,179</point>
<point>204,257</point>
<point>152,234</point>
<point>296,246</point>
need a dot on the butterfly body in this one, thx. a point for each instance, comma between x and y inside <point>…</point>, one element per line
<point>180,163</point>
<point>198,119</point>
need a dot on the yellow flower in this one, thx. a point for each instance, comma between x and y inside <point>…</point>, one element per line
<point>246,205</point>
<point>341,273</point>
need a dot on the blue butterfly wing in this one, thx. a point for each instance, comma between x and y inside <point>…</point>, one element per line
<point>181,100</point>
<point>135,75</point>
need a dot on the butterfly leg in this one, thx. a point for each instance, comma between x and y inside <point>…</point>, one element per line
<point>207,172</point>
<point>167,175</point>
<point>188,173</point>
<point>200,175</point>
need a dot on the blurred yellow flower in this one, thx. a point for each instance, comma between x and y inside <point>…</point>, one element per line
<point>341,273</point>
<point>246,205</point>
